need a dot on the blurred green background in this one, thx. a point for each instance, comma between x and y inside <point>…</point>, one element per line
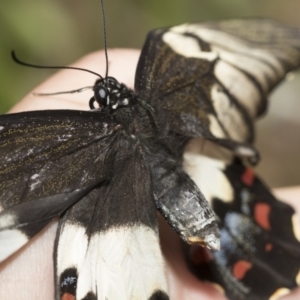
<point>58,32</point>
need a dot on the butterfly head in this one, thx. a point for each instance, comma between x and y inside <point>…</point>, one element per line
<point>111,95</point>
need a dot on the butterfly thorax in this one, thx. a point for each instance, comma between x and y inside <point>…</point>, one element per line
<point>136,115</point>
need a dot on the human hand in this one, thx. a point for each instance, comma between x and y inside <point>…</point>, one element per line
<point>28,274</point>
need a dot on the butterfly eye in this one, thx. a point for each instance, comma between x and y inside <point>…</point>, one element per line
<point>102,93</point>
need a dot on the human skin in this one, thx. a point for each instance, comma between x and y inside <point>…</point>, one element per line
<point>28,274</point>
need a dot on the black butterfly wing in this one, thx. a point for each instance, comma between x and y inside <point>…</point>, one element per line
<point>260,248</point>
<point>211,80</point>
<point>108,244</point>
<point>50,160</point>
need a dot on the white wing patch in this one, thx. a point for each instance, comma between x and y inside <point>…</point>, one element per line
<point>10,241</point>
<point>279,293</point>
<point>7,220</point>
<point>239,86</point>
<point>295,224</point>
<point>207,170</point>
<point>120,263</point>
<point>228,114</point>
<point>258,70</point>
<point>230,43</point>
<point>298,278</point>
<point>74,241</point>
<point>187,46</point>
<point>214,127</point>
<point>236,45</point>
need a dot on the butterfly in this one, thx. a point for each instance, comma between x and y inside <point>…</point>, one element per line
<point>105,172</point>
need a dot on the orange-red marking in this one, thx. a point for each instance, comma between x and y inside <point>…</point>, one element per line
<point>268,247</point>
<point>248,177</point>
<point>67,296</point>
<point>261,215</point>
<point>240,269</point>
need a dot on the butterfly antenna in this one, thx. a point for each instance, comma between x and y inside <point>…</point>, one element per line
<point>105,38</point>
<point>66,92</point>
<point>18,61</point>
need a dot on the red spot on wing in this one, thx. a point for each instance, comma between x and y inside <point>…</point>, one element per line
<point>261,215</point>
<point>248,177</point>
<point>268,247</point>
<point>199,255</point>
<point>67,296</point>
<point>240,269</point>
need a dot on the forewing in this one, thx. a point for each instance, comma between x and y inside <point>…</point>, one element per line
<point>260,248</point>
<point>107,245</point>
<point>49,159</point>
<point>211,80</point>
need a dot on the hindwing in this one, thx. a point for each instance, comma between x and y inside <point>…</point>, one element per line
<point>259,257</point>
<point>107,244</point>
